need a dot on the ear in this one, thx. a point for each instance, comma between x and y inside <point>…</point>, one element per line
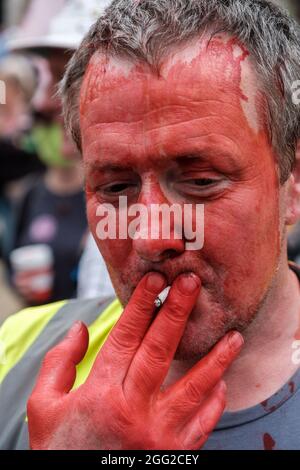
<point>293,200</point>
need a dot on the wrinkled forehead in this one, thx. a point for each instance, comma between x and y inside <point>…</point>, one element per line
<point>216,68</point>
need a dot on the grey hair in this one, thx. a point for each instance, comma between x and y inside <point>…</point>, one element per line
<point>143,30</point>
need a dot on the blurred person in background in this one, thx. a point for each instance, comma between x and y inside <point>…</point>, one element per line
<point>49,38</point>
<point>19,79</point>
<point>53,210</point>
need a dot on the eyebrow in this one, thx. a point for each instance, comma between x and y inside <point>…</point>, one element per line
<point>106,167</point>
<point>204,155</point>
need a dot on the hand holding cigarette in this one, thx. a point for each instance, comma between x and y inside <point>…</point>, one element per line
<point>122,405</point>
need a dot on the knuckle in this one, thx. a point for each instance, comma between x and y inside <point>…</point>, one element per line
<point>175,310</point>
<point>192,392</point>
<point>119,339</point>
<point>204,381</point>
<point>198,437</point>
<point>52,356</point>
<point>156,352</point>
<point>211,417</point>
<point>122,339</point>
<point>175,303</point>
<point>144,301</point>
<point>221,360</point>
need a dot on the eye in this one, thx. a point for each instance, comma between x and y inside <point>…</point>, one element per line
<point>117,188</point>
<point>203,182</point>
<point>199,183</point>
<point>112,191</point>
<point>201,187</point>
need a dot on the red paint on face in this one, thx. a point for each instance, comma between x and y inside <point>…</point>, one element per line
<point>269,442</point>
<point>159,139</point>
<point>297,334</point>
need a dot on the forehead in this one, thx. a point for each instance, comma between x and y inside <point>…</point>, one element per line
<point>205,94</point>
<point>221,60</point>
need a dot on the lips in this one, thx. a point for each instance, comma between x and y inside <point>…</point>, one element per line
<point>170,275</point>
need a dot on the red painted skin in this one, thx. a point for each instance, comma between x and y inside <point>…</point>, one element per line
<point>122,405</point>
<point>144,124</point>
<point>150,125</point>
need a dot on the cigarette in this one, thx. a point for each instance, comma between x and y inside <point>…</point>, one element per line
<point>160,299</point>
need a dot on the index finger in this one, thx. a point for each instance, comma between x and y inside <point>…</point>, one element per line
<point>152,361</point>
<point>129,331</point>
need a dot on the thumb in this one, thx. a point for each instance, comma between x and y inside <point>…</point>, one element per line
<point>58,371</point>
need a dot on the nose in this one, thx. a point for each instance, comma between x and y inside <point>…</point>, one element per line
<point>161,237</point>
<point>158,250</point>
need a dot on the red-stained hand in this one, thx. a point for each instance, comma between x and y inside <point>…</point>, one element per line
<point>122,405</point>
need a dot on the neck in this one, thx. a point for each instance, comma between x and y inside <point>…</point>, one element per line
<point>63,181</point>
<point>265,363</point>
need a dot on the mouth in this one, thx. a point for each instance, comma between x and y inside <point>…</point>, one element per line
<point>170,278</point>
<point>170,269</point>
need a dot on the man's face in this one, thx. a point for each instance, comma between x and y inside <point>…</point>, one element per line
<point>194,133</point>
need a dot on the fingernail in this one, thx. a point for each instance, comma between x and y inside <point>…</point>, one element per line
<point>75,329</point>
<point>188,283</point>
<point>236,340</point>
<point>155,282</point>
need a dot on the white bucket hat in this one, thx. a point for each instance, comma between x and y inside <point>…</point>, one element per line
<point>56,24</point>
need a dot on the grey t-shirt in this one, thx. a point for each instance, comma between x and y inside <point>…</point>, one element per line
<point>273,424</point>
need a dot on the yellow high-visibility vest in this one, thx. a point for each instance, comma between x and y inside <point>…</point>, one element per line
<point>26,337</point>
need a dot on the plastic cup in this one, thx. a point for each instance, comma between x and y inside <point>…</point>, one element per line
<point>34,264</point>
